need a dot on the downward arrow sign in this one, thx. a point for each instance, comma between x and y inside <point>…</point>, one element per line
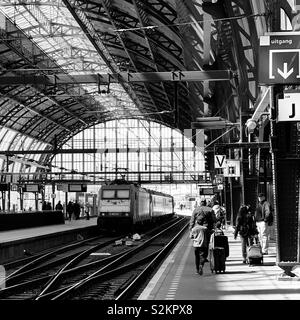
<point>285,74</point>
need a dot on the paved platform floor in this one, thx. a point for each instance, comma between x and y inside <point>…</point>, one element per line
<point>176,279</point>
<point>19,234</point>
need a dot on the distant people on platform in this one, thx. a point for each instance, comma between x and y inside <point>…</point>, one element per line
<point>264,219</point>
<point>200,236</point>
<point>59,206</point>
<point>46,206</point>
<point>76,208</point>
<point>87,211</point>
<point>246,228</point>
<point>70,209</point>
<point>181,205</point>
<point>219,213</point>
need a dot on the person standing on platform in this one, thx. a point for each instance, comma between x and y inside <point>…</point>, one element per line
<point>77,208</point>
<point>44,205</point>
<point>48,206</point>
<point>87,211</point>
<point>70,209</point>
<point>262,218</point>
<point>246,228</point>
<point>199,235</point>
<point>59,206</point>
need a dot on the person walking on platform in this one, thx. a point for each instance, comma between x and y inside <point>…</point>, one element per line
<point>219,212</point>
<point>246,228</point>
<point>263,216</point>
<point>199,235</point>
<point>70,209</point>
<point>205,212</point>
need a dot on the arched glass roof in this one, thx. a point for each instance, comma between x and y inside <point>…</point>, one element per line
<point>79,37</point>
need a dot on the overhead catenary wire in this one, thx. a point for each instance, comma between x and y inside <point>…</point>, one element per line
<point>192,22</point>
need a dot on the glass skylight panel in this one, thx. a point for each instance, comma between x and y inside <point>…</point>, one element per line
<point>54,29</point>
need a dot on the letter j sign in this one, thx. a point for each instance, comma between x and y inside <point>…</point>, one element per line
<point>289,107</point>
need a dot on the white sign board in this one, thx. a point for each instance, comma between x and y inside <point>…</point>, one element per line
<point>220,161</point>
<point>232,169</point>
<point>279,58</point>
<point>289,107</point>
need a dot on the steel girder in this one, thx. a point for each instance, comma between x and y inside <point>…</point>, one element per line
<point>147,49</point>
<point>134,50</point>
<point>15,55</point>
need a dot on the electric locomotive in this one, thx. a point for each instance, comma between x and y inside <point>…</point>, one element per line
<point>127,206</point>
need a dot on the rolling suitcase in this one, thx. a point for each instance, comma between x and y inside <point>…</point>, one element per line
<point>254,254</point>
<point>217,259</point>
<point>221,241</point>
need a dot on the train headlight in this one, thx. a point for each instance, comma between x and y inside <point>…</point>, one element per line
<point>126,214</point>
<point>102,214</point>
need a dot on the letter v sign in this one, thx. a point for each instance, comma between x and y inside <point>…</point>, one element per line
<point>220,161</point>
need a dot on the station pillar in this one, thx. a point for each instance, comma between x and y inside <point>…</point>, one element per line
<point>285,151</point>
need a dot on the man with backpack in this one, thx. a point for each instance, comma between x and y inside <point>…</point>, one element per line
<point>206,212</point>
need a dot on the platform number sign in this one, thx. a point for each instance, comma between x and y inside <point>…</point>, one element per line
<point>220,161</point>
<point>279,58</point>
<point>289,107</point>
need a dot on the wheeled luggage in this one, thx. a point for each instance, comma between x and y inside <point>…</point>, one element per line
<point>220,241</point>
<point>217,259</point>
<point>254,254</point>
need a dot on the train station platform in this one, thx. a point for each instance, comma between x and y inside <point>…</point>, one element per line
<point>176,279</point>
<point>33,240</point>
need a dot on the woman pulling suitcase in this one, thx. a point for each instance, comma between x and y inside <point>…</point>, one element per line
<point>246,228</point>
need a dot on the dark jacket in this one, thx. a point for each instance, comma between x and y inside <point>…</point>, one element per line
<point>207,213</point>
<point>58,206</point>
<point>70,207</point>
<point>245,224</point>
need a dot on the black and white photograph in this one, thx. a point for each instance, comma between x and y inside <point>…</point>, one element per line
<point>149,156</point>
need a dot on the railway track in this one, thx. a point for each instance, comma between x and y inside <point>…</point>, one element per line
<point>49,278</point>
<point>124,275</point>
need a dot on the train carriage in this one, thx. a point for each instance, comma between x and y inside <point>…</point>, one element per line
<point>125,206</point>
